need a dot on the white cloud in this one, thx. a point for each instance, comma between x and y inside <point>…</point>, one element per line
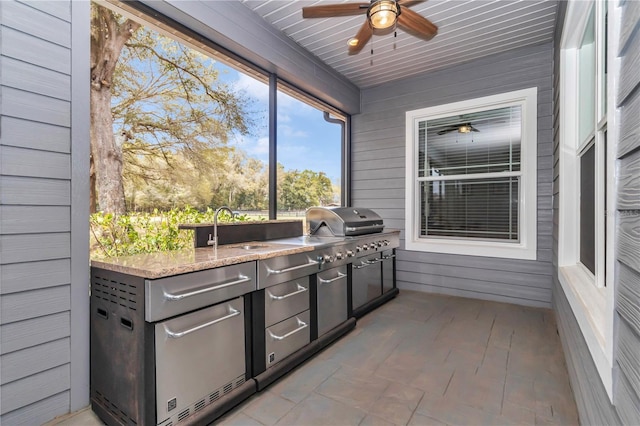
<point>254,88</point>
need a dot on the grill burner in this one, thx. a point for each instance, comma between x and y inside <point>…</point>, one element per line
<point>343,221</point>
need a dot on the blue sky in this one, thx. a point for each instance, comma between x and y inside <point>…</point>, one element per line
<point>305,139</point>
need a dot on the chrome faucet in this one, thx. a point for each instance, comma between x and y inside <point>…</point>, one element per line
<point>214,241</point>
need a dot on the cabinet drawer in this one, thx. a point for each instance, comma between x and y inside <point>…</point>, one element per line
<point>286,337</point>
<point>281,269</point>
<point>167,297</point>
<point>285,300</point>
<point>332,298</point>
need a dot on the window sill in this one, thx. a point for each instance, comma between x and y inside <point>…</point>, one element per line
<point>589,306</point>
<point>473,248</point>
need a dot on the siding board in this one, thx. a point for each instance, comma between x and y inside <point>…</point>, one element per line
<point>39,412</point>
<point>34,219</point>
<point>34,331</point>
<point>34,107</point>
<point>22,18</point>
<point>34,388</point>
<point>629,182</point>
<point>35,303</point>
<point>630,125</point>
<point>34,163</point>
<point>34,247</point>
<point>59,9</point>
<point>630,70</point>
<point>18,277</point>
<point>629,240</point>
<point>34,191</point>
<point>29,134</point>
<point>26,362</point>
<point>24,76</point>
<point>37,51</point>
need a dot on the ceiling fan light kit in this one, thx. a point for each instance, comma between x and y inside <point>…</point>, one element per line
<point>382,15</point>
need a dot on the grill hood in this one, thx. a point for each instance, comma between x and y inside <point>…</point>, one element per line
<point>343,221</point>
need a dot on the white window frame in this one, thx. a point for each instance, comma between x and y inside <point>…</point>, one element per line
<point>526,247</point>
<point>591,301</point>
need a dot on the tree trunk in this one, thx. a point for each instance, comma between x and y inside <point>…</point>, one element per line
<point>108,37</point>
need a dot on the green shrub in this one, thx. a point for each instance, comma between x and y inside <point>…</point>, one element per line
<point>133,233</point>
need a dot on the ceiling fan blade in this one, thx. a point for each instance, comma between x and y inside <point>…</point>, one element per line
<point>364,34</point>
<point>331,10</point>
<point>417,25</point>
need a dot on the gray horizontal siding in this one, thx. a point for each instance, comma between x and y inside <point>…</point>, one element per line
<point>34,219</point>
<point>28,134</point>
<point>34,331</point>
<point>37,51</point>
<point>20,364</point>
<point>19,277</point>
<point>21,17</point>
<point>378,173</point>
<point>35,211</point>
<point>34,163</point>
<point>629,125</point>
<point>20,393</point>
<point>39,412</point>
<point>627,391</point>
<point>34,303</point>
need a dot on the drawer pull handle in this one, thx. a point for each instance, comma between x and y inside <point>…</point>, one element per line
<point>366,263</point>
<point>298,291</point>
<point>339,277</point>
<point>293,268</point>
<point>178,334</point>
<point>391,256</point>
<point>178,296</point>
<point>301,326</point>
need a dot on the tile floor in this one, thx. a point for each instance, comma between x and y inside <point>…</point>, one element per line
<point>423,359</point>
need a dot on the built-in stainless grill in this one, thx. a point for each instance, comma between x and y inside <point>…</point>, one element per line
<point>369,250</point>
<point>343,221</point>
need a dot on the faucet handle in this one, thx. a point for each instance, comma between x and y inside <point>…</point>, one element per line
<point>211,241</point>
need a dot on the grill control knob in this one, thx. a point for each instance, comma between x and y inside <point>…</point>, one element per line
<point>385,242</point>
<point>327,258</point>
<point>350,253</point>
<point>379,243</point>
<point>339,255</point>
<point>372,246</point>
<point>365,247</point>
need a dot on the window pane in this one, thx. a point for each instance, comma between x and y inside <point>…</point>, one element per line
<point>586,81</point>
<point>587,209</point>
<point>475,208</point>
<point>481,142</point>
<point>309,158</point>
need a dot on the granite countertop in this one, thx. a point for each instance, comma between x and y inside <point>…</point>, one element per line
<point>164,264</point>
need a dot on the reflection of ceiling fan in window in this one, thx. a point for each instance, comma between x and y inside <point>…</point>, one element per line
<point>460,128</point>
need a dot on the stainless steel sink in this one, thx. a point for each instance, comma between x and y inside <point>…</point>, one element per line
<point>251,246</point>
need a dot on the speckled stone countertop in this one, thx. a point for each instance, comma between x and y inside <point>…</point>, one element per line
<point>158,265</point>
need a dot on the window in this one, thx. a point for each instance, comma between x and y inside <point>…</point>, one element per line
<point>582,255</point>
<point>471,177</point>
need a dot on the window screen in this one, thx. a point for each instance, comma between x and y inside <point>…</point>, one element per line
<point>588,209</point>
<point>470,175</point>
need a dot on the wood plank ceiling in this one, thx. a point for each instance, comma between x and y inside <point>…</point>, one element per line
<point>468,29</point>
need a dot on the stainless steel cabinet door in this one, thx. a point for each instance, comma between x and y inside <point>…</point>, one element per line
<point>366,280</point>
<point>285,300</point>
<point>332,298</point>
<point>196,354</point>
<point>286,337</point>
<point>388,259</point>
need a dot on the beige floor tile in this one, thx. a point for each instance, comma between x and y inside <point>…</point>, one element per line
<point>421,420</point>
<point>371,420</point>
<point>433,380</point>
<point>397,403</point>
<point>519,390</point>
<point>358,395</point>
<point>467,388</point>
<point>268,408</point>
<point>297,385</point>
<point>238,419</point>
<point>322,411</point>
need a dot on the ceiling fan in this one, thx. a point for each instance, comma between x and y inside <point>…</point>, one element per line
<point>382,17</point>
<point>461,128</point>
